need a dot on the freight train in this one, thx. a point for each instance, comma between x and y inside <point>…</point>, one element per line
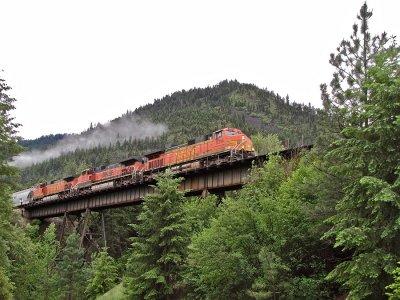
<point>223,144</point>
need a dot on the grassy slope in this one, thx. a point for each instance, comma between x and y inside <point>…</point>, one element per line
<point>116,293</point>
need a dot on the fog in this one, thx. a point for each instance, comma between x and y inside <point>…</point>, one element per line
<point>117,130</point>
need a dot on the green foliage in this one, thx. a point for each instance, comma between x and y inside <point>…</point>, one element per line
<point>42,142</point>
<point>273,276</point>
<point>353,59</point>
<point>71,269</point>
<point>265,144</point>
<point>219,263</point>
<point>103,274</point>
<point>116,293</point>
<point>47,250</point>
<point>118,230</point>
<point>5,286</point>
<point>23,270</point>
<point>265,241</point>
<point>32,270</point>
<point>199,212</point>
<point>393,290</point>
<point>367,159</point>
<point>8,148</point>
<point>8,141</point>
<point>158,251</point>
<point>5,232</point>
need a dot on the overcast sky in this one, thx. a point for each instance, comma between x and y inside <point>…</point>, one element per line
<point>75,62</point>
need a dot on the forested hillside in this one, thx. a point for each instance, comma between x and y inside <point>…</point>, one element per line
<point>42,142</point>
<point>188,114</point>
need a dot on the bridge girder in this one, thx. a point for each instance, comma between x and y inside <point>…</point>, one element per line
<point>229,175</point>
<point>215,180</point>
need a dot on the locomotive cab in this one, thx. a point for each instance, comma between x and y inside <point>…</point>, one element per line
<point>232,131</point>
<point>217,135</point>
<point>87,172</point>
<point>226,132</point>
<point>233,139</point>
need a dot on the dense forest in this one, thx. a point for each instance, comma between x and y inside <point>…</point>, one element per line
<point>42,142</point>
<point>322,225</point>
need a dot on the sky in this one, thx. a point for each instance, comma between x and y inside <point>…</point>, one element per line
<point>74,62</point>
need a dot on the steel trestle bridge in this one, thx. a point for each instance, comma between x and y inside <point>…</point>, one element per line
<point>221,176</point>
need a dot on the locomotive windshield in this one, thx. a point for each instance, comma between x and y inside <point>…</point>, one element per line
<point>217,134</point>
<point>231,132</point>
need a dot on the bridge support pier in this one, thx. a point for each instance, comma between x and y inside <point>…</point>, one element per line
<point>63,225</point>
<point>103,229</point>
<point>86,234</point>
<point>80,223</point>
<point>85,220</point>
<point>205,193</point>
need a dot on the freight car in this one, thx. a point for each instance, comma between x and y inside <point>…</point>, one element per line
<point>221,145</point>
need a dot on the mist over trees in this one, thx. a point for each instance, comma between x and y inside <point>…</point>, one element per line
<point>322,225</point>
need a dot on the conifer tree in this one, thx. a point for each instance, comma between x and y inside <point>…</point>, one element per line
<point>70,269</point>
<point>159,249</point>
<point>26,273</point>
<point>8,141</point>
<point>8,148</point>
<point>5,228</point>
<point>353,58</point>
<point>103,274</point>
<point>47,251</point>
<point>393,290</point>
<point>365,96</point>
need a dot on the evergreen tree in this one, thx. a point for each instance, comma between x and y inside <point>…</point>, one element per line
<point>158,251</point>
<point>71,269</point>
<point>8,148</point>
<point>354,57</point>
<point>103,274</point>
<point>367,159</point>
<point>393,290</point>
<point>25,265</point>
<point>5,228</point>
<point>47,250</point>
<point>8,141</point>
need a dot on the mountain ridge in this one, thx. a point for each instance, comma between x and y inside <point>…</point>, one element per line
<point>188,114</point>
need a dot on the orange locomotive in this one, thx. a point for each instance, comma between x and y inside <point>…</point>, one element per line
<point>221,141</point>
<point>220,144</point>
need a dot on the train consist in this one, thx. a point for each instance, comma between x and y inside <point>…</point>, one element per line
<point>223,144</point>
